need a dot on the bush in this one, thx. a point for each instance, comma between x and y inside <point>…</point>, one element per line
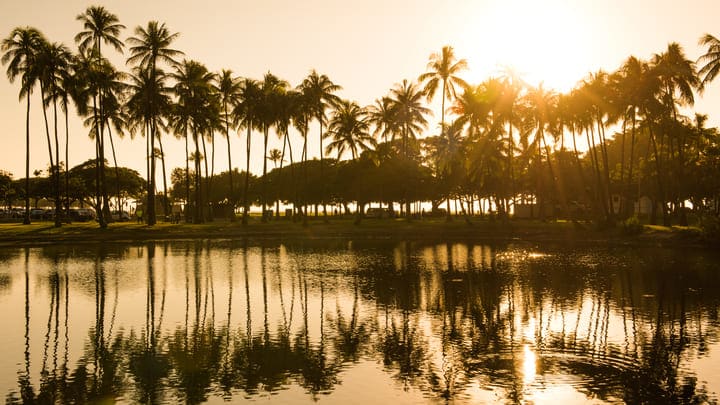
<point>710,226</point>
<point>631,226</point>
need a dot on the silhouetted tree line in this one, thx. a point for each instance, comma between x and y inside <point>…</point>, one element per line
<point>504,143</point>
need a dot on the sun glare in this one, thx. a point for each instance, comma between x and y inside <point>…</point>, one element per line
<point>540,41</point>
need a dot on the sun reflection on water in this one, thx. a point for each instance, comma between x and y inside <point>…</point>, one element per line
<point>529,364</point>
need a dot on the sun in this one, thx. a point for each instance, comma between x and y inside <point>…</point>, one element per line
<point>544,42</point>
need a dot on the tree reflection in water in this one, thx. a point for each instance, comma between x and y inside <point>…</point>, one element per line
<point>461,322</point>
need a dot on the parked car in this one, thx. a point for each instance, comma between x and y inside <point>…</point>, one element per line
<point>376,212</point>
<point>120,216</point>
<point>82,214</point>
<point>37,213</point>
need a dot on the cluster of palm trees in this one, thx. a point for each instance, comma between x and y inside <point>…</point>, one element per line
<point>505,141</point>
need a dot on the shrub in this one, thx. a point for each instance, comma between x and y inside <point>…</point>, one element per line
<point>631,226</point>
<point>710,226</point>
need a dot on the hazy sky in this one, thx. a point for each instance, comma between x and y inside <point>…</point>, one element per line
<point>364,46</point>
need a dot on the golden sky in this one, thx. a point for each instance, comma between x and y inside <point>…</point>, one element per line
<point>364,46</point>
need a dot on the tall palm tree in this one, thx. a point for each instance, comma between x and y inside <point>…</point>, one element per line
<point>246,115</point>
<point>407,101</point>
<point>679,79</point>
<point>195,93</point>
<point>97,80</point>
<point>20,52</point>
<point>286,104</point>
<point>301,115</point>
<point>272,90</point>
<point>539,115</point>
<point>319,89</point>
<point>148,47</point>
<point>53,64</point>
<point>228,88</point>
<point>99,26</point>
<point>349,130</point>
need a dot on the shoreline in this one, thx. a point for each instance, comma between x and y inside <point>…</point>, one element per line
<point>436,230</point>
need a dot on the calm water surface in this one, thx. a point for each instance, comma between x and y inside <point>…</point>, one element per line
<point>348,322</point>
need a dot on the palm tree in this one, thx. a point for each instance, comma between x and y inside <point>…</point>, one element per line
<point>148,47</point>
<point>246,115</point>
<point>99,26</point>
<point>301,114</point>
<point>710,60</point>
<point>228,88</point>
<point>679,78</point>
<point>195,93</point>
<point>349,130</point>
<point>443,68</point>
<point>53,63</point>
<point>20,49</point>
<point>406,99</point>
<point>96,81</point>
<point>275,156</point>
<point>272,89</point>
<point>319,89</point>
<point>383,116</point>
<point>410,117</point>
<point>539,115</point>
<point>286,104</point>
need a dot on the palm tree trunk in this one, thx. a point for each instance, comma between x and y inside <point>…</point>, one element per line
<point>103,182</point>
<point>56,171</point>
<point>212,174</point>
<point>117,172</point>
<point>303,158</point>
<point>166,211</point>
<point>231,200</point>
<point>187,173</point>
<point>246,207</point>
<point>151,217</point>
<point>67,164</point>
<point>26,218</point>
<point>264,178</point>
<point>198,216</point>
<point>322,177</point>
<point>206,200</point>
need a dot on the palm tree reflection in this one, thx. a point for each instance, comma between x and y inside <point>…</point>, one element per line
<point>439,322</point>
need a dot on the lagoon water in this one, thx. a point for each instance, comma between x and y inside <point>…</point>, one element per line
<point>358,322</point>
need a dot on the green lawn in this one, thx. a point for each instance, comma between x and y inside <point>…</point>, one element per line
<point>433,228</point>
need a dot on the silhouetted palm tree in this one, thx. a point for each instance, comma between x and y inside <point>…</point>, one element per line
<point>195,92</point>
<point>19,53</point>
<point>272,90</point>
<point>228,88</point>
<point>406,98</point>
<point>679,78</point>
<point>383,116</point>
<point>148,47</point>
<point>442,70</point>
<point>99,26</point>
<point>710,60</point>
<point>301,115</point>
<point>53,64</point>
<point>319,89</point>
<point>246,115</point>
<point>349,130</point>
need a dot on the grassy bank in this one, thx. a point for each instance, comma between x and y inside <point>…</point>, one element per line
<point>40,233</point>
